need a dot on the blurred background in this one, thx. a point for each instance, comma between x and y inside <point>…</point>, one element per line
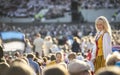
<point>57,18</point>
<point>54,11</point>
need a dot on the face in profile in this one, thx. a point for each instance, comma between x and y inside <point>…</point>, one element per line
<point>99,24</point>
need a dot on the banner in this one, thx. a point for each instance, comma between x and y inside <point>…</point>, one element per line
<point>12,35</point>
<point>12,40</point>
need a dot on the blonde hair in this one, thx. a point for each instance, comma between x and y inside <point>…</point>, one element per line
<point>20,69</point>
<point>106,25</point>
<point>112,59</point>
<point>110,70</point>
<point>55,70</point>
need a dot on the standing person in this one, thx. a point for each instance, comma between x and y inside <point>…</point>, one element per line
<point>1,55</point>
<point>60,59</point>
<point>34,64</point>
<point>55,70</point>
<point>79,67</point>
<point>76,46</point>
<point>103,42</point>
<point>38,44</point>
<point>1,52</point>
<point>28,47</point>
<point>110,70</point>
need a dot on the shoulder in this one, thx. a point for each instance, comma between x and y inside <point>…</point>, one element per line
<point>51,63</point>
<point>106,34</point>
<point>35,40</point>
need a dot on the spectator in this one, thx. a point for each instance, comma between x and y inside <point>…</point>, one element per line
<point>76,46</point>
<point>38,44</point>
<point>55,70</point>
<point>47,45</point>
<point>71,57</point>
<point>2,58</point>
<point>111,70</point>
<point>3,68</point>
<point>78,67</point>
<point>103,42</point>
<point>113,59</point>
<point>20,69</point>
<point>28,46</point>
<point>1,52</point>
<point>60,59</point>
<point>34,64</point>
<point>53,59</point>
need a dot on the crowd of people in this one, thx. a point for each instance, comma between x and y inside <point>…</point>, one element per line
<point>97,4</point>
<point>64,50</point>
<point>56,64</point>
<point>53,30</point>
<point>29,8</point>
<point>61,49</point>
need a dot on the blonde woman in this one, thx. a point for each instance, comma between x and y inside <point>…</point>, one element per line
<point>103,42</point>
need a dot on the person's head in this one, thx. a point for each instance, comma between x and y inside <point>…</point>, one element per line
<point>48,38</point>
<point>45,59</point>
<point>37,55</point>
<point>55,70</point>
<point>102,24</point>
<point>59,57</point>
<point>71,56</point>
<point>19,60</point>
<point>1,52</point>
<point>76,39</point>
<point>112,59</point>
<point>17,54</point>
<point>52,57</point>
<point>63,64</point>
<point>30,55</point>
<point>3,68</point>
<point>37,35</point>
<point>78,67</point>
<point>20,69</point>
<point>111,70</point>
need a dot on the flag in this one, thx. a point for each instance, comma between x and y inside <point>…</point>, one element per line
<point>12,40</point>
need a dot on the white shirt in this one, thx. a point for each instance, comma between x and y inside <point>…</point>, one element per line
<point>46,47</point>
<point>38,42</point>
<point>107,45</point>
